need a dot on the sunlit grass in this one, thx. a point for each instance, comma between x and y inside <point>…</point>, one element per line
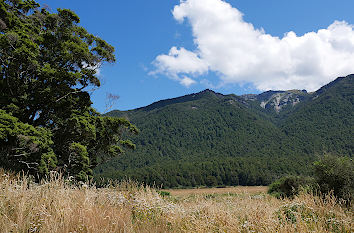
<point>57,206</point>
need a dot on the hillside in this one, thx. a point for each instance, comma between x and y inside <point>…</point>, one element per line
<point>326,122</point>
<point>207,138</point>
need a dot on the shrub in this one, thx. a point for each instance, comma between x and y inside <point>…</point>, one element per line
<point>164,193</point>
<point>290,186</point>
<point>295,212</point>
<point>335,174</point>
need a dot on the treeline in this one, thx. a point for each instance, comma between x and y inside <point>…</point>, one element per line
<point>212,172</point>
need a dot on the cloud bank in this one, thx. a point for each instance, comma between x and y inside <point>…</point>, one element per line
<point>240,53</point>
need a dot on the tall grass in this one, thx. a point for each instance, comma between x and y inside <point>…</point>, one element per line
<point>55,205</point>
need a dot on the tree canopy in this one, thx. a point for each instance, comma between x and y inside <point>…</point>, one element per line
<point>48,64</point>
<point>190,139</point>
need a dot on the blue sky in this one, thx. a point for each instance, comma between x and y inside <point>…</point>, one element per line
<point>166,49</point>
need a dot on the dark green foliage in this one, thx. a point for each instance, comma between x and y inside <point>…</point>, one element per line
<point>211,181</point>
<point>79,162</point>
<point>326,123</point>
<point>47,65</point>
<point>25,146</point>
<point>290,186</point>
<point>204,139</point>
<point>226,171</point>
<point>164,193</point>
<point>331,173</point>
<point>337,174</point>
<point>188,140</point>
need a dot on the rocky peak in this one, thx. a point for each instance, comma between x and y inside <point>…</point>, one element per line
<point>278,100</point>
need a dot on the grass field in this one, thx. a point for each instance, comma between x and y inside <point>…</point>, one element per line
<point>57,206</point>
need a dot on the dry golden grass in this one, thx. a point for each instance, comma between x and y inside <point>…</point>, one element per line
<point>56,206</point>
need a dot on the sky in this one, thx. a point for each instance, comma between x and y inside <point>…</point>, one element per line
<point>170,48</point>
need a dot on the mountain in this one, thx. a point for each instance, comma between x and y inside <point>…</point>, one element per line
<point>192,123</point>
<point>326,121</point>
<point>278,100</point>
<point>275,106</point>
<point>207,138</point>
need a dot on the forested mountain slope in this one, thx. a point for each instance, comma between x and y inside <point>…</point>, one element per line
<point>208,138</point>
<point>326,122</point>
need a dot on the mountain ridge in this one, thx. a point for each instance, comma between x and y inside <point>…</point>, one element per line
<point>231,140</point>
<point>264,97</point>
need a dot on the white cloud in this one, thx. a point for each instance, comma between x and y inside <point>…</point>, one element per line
<point>239,53</point>
<point>185,81</point>
<point>180,61</point>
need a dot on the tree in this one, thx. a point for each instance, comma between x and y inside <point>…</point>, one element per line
<point>335,174</point>
<point>211,181</point>
<point>47,65</point>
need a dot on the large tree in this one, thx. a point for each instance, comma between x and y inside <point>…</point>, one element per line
<point>47,65</point>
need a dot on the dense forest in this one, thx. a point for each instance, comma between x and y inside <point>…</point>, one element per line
<point>212,139</point>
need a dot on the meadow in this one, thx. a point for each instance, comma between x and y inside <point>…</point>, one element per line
<point>56,205</point>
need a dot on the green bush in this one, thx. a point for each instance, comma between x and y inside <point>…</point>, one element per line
<point>164,193</point>
<point>290,186</point>
<point>335,174</point>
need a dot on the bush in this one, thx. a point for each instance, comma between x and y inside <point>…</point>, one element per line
<point>335,174</point>
<point>164,193</point>
<point>290,186</point>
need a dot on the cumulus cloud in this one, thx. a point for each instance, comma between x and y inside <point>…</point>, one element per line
<point>185,81</point>
<point>180,61</point>
<point>240,53</point>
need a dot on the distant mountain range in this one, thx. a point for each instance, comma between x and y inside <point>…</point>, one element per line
<point>211,139</point>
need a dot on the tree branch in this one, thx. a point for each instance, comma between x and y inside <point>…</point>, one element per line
<point>70,93</point>
<point>28,164</point>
